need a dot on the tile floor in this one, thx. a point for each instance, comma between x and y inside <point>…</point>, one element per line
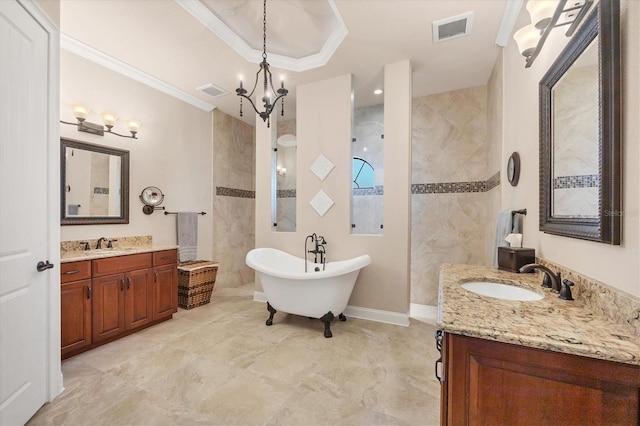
<point>220,364</point>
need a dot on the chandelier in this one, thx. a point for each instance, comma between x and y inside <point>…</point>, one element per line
<point>267,85</point>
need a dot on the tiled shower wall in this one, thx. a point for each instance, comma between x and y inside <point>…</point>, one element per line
<point>453,185</point>
<point>234,200</point>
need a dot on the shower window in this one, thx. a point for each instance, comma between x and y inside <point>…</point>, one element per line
<point>362,173</point>
<point>285,151</point>
<point>367,152</point>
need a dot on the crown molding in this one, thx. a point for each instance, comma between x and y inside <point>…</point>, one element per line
<point>207,18</point>
<point>509,18</point>
<point>74,46</point>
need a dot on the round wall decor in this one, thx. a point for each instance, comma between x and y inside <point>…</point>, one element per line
<point>513,169</point>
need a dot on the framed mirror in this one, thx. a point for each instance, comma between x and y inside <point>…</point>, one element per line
<point>580,154</point>
<point>94,184</point>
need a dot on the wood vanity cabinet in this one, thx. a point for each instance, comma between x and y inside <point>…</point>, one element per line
<point>75,305</point>
<point>165,284</point>
<point>125,294</point>
<point>487,382</point>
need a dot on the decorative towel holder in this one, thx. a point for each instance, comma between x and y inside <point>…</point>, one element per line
<point>200,213</point>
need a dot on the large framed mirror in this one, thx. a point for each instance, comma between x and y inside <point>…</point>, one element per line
<point>580,154</point>
<point>94,184</point>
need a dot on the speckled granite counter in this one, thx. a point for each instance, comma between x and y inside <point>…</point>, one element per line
<point>72,251</point>
<point>74,256</point>
<point>551,323</point>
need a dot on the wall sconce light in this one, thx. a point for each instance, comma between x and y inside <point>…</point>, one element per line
<point>80,112</point>
<point>545,16</point>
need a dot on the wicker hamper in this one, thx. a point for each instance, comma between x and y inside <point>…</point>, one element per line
<point>195,282</point>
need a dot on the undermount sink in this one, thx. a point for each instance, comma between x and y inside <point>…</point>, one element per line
<point>501,291</point>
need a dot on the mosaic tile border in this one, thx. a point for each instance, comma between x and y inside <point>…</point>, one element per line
<point>376,190</point>
<point>576,181</point>
<point>416,188</point>
<point>233,192</point>
<point>456,187</point>
<point>286,193</point>
<point>493,181</point>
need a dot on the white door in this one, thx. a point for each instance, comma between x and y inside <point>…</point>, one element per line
<point>24,214</point>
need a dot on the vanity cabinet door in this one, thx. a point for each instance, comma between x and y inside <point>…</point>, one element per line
<point>75,315</point>
<point>108,306</point>
<point>165,291</point>
<point>489,382</point>
<point>138,299</point>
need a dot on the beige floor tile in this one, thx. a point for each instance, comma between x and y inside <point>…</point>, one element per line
<point>220,364</point>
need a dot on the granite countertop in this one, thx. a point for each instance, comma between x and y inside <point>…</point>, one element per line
<point>551,323</point>
<point>78,255</point>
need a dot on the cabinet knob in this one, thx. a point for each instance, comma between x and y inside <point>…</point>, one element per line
<point>88,292</point>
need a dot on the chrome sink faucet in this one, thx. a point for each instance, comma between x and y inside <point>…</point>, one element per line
<point>99,243</point>
<point>551,280</point>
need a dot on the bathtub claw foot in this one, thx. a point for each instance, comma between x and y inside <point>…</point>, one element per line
<point>326,319</point>
<point>341,317</point>
<point>271,314</point>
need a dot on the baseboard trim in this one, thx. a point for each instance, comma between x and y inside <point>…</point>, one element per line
<point>377,315</point>
<point>426,313</point>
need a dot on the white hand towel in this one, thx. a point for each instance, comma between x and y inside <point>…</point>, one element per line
<point>187,236</point>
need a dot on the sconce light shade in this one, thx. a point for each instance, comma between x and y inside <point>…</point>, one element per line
<point>80,112</point>
<point>109,119</point>
<point>134,126</point>
<point>541,12</point>
<point>527,39</point>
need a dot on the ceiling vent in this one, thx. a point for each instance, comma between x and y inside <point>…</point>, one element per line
<point>212,90</point>
<point>454,27</point>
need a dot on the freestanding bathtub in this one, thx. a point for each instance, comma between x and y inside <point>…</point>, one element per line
<point>315,294</point>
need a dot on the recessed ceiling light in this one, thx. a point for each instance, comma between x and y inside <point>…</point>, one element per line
<point>377,92</point>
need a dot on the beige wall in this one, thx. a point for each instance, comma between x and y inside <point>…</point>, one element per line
<point>52,9</point>
<point>173,152</point>
<point>324,127</point>
<point>617,266</point>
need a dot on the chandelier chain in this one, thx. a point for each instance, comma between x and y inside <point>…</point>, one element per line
<point>264,31</point>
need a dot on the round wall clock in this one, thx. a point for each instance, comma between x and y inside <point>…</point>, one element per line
<point>513,169</point>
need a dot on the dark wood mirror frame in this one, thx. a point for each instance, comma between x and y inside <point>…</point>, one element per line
<point>604,21</point>
<point>124,190</point>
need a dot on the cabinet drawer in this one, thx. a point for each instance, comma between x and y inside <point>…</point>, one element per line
<point>114,265</point>
<point>75,271</point>
<point>165,257</point>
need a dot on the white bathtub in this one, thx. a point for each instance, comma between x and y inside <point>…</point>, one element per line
<point>316,294</point>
